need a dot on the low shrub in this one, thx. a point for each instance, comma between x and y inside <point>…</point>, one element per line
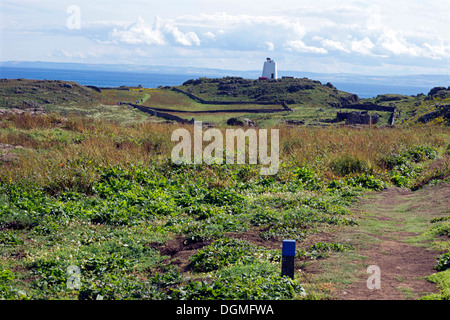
<point>308,178</point>
<point>443,262</point>
<point>415,154</point>
<point>247,285</point>
<point>366,181</point>
<point>9,237</point>
<point>8,290</point>
<point>221,253</point>
<point>321,250</point>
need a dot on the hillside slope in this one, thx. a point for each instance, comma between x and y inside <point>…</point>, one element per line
<point>267,103</point>
<point>289,90</point>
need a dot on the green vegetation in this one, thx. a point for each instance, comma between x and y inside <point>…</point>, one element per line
<point>309,100</point>
<point>312,102</point>
<point>412,108</point>
<point>442,276</point>
<point>91,207</point>
<point>442,279</point>
<point>292,91</point>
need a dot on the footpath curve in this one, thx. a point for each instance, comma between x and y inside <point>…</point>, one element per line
<point>391,237</point>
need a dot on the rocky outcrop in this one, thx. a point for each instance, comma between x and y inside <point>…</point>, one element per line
<point>344,102</point>
<point>242,122</point>
<point>299,87</point>
<point>5,152</point>
<point>18,111</point>
<point>95,88</point>
<point>351,99</point>
<point>439,91</point>
<point>440,111</point>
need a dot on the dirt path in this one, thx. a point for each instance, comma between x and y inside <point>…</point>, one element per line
<point>390,237</point>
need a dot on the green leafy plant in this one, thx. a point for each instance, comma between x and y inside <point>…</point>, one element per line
<point>443,262</point>
<point>8,290</point>
<point>9,237</point>
<point>247,286</point>
<point>221,253</point>
<point>307,177</point>
<point>264,218</point>
<point>321,250</point>
<point>366,181</point>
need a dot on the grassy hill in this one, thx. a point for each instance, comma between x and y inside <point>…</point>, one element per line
<point>309,101</point>
<point>411,108</point>
<point>289,90</point>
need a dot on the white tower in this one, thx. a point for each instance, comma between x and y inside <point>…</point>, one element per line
<point>270,69</point>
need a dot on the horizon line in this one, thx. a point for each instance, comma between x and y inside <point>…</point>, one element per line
<point>213,69</point>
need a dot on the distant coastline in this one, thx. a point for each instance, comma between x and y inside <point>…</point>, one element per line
<point>96,78</point>
<point>364,87</point>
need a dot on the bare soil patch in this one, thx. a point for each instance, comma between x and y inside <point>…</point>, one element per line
<point>404,265</point>
<point>179,252</point>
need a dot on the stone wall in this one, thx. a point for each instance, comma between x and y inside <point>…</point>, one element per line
<point>361,117</point>
<point>370,107</point>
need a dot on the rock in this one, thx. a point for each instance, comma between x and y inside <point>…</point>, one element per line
<point>29,104</point>
<point>66,85</point>
<point>330,85</point>
<point>436,90</point>
<point>345,101</point>
<point>95,88</point>
<point>242,122</point>
<point>17,111</point>
<point>388,98</point>
<point>298,87</point>
<point>6,155</point>
<point>294,122</point>
<point>440,111</point>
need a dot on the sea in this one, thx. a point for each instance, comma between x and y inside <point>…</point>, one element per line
<point>155,80</point>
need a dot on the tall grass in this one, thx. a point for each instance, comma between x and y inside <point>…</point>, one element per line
<point>322,146</point>
<point>89,143</point>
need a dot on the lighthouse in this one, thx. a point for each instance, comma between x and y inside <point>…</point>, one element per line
<point>270,69</point>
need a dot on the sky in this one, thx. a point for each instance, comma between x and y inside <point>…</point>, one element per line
<point>374,37</point>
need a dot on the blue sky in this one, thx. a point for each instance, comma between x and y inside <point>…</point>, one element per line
<point>377,37</point>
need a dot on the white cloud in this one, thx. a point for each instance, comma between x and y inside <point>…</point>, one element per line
<point>300,46</point>
<point>394,43</point>
<point>355,32</point>
<point>270,45</point>
<point>438,51</point>
<point>159,33</point>
<point>363,32</point>
<point>333,45</point>
<point>185,39</point>
<point>364,46</point>
<point>139,33</point>
<point>209,35</point>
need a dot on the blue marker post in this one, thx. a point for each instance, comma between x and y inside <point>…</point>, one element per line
<point>288,258</point>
